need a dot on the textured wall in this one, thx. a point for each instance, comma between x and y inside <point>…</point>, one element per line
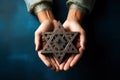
<point>19,61</point>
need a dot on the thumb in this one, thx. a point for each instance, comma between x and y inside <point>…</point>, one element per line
<point>82,39</point>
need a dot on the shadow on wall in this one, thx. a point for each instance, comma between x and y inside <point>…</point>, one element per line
<point>18,59</point>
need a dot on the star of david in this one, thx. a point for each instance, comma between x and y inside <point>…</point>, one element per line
<point>59,42</point>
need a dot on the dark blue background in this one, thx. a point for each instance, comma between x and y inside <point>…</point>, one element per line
<point>19,61</point>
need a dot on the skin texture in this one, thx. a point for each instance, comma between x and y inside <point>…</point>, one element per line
<point>72,23</point>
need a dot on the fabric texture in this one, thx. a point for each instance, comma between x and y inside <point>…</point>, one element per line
<point>83,5</point>
<point>39,5</point>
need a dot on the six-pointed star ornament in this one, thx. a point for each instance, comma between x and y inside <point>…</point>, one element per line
<point>59,42</point>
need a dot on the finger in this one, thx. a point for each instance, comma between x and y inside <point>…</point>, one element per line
<point>41,28</point>
<point>56,61</point>
<point>45,60</point>
<point>59,65</point>
<point>82,40</point>
<point>82,47</point>
<point>67,64</point>
<point>54,64</point>
<point>37,41</point>
<point>62,65</point>
<point>76,58</point>
<point>77,42</point>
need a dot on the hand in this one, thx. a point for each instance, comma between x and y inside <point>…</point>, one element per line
<point>72,24</point>
<point>47,24</point>
<point>48,61</point>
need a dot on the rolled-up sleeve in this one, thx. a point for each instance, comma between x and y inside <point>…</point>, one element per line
<point>85,6</point>
<point>35,6</point>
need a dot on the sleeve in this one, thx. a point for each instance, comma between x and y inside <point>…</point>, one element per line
<point>85,6</point>
<point>35,6</point>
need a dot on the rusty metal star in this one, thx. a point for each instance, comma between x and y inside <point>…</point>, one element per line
<point>59,42</point>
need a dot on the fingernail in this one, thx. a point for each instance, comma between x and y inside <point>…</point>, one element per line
<point>65,69</point>
<point>61,68</point>
<point>71,65</point>
<point>36,48</point>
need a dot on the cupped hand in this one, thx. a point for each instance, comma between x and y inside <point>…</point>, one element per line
<point>74,26</point>
<point>45,26</point>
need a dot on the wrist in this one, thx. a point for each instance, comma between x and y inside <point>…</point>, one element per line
<point>75,14</point>
<point>45,15</point>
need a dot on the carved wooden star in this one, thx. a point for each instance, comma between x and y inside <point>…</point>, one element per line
<point>59,42</point>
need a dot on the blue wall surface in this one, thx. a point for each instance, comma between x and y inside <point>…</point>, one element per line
<point>19,61</point>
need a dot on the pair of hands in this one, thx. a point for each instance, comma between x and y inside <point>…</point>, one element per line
<point>71,25</point>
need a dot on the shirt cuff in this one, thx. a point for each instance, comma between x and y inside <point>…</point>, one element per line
<point>83,5</point>
<point>74,6</point>
<point>34,6</point>
<point>42,6</point>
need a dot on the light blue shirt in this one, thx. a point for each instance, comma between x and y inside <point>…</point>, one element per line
<point>35,6</point>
